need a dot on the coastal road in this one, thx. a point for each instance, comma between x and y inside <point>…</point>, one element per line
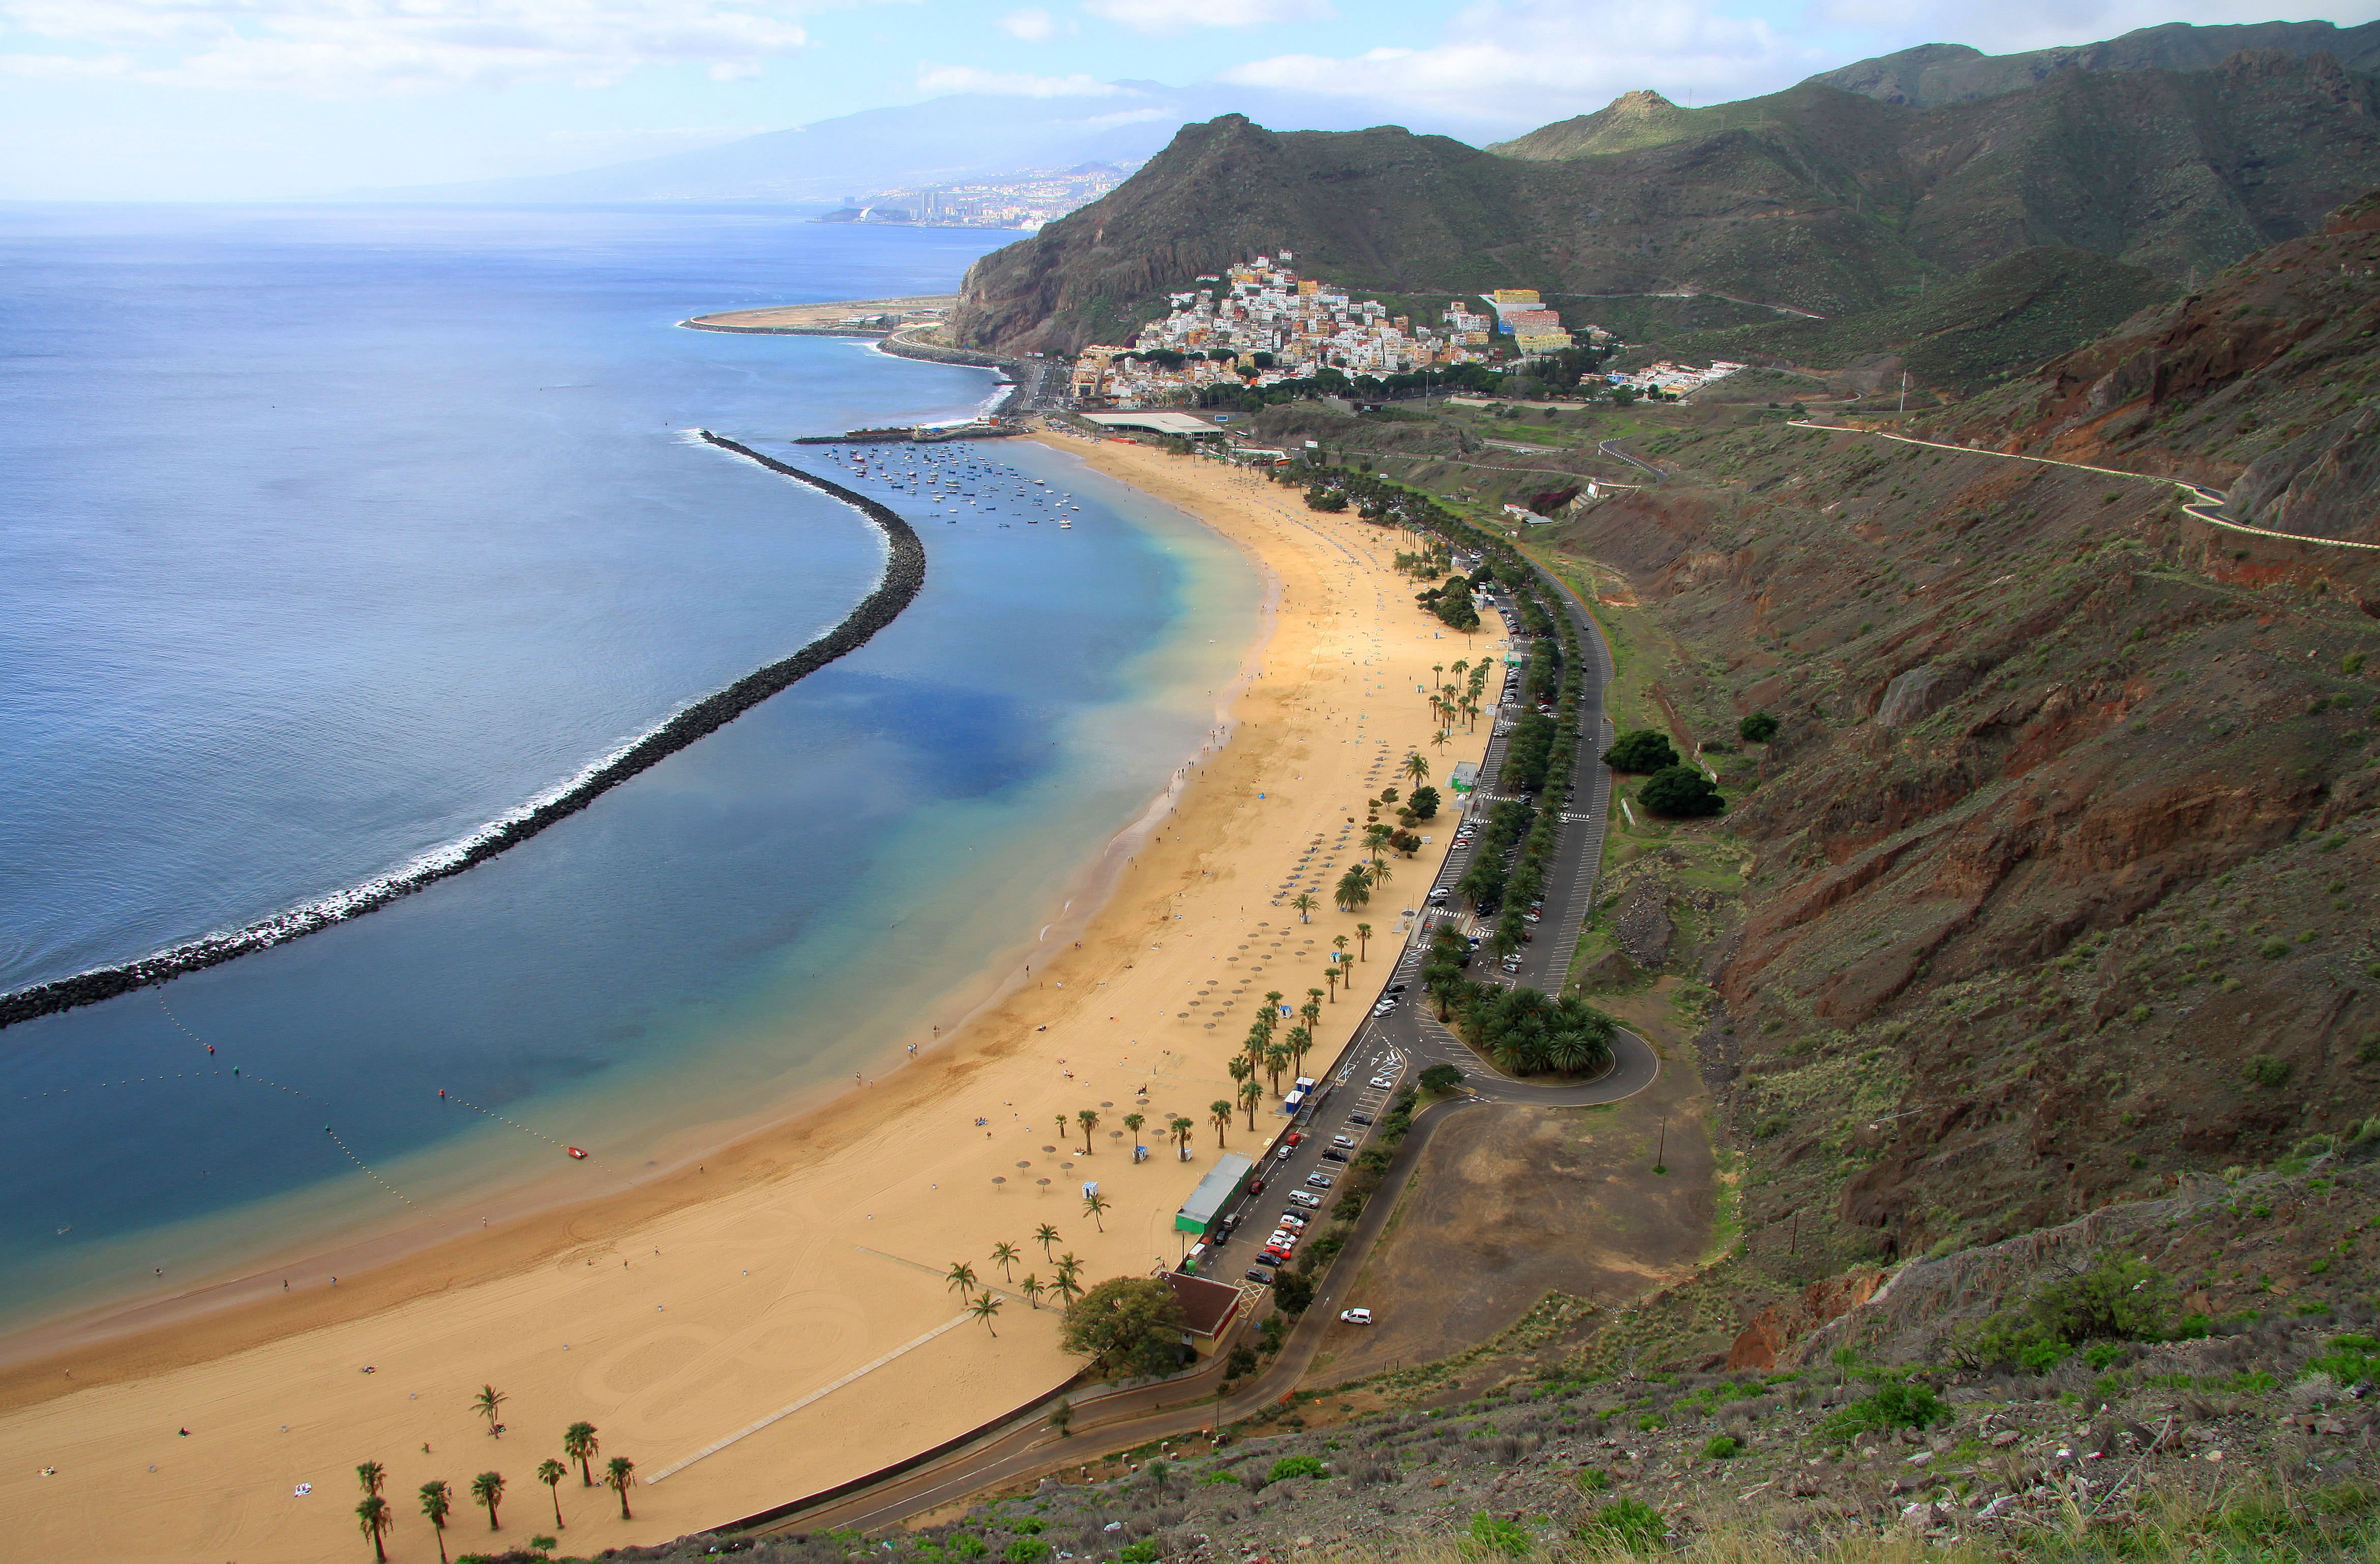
<point>1392,1048</point>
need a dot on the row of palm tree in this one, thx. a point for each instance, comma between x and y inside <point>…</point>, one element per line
<point>375,1518</point>
<point>960,1277</point>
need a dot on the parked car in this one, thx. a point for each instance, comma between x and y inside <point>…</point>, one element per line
<point>1319,1181</point>
<point>1397,988</point>
<point>1359,1118</point>
<point>1296,1138</point>
<point>1334,1155</point>
<point>1299,1197</point>
<point>1384,1007</point>
<point>1262,1277</point>
<point>1343,1142</point>
<point>1292,1220</point>
<point>1282,1239</point>
<point>1383,1083</point>
<point>1282,1153</point>
<point>1256,1186</point>
<point>1354,1316</point>
<point>1270,1258</point>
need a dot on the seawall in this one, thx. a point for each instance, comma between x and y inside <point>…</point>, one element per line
<point>905,575</point>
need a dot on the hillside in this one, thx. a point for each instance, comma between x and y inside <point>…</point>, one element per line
<point>1964,335</point>
<point>1934,74</point>
<point>1816,198</point>
<point>2261,382</point>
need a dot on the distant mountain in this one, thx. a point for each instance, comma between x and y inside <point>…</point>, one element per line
<point>942,141</point>
<point>1934,74</point>
<point>1817,197</point>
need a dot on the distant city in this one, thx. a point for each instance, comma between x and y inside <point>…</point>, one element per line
<point>1028,200</point>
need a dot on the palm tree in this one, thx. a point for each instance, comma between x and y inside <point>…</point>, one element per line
<point>1303,904</point>
<point>1364,937</point>
<point>983,1308</point>
<point>960,1277</point>
<point>372,1475</point>
<point>1003,1255</point>
<point>1064,1127</point>
<point>1182,1129</point>
<point>1438,738</point>
<point>1312,1009</point>
<point>1381,875</point>
<point>1352,889</point>
<point>1250,1095</point>
<point>578,1442</point>
<point>1089,1120</point>
<point>1330,976</point>
<point>1272,1010</point>
<point>617,1474</point>
<point>437,1503</point>
<point>487,1403</point>
<point>372,1520</point>
<point>1376,837</point>
<point>1032,1289</point>
<point>1240,1067</point>
<point>1339,941</point>
<point>1133,1122</point>
<point>1045,1235</point>
<point>1069,1278</point>
<point>550,1472</point>
<point>1095,1205</point>
<point>1221,1112</point>
<point>488,1491</point>
<point>1276,1060</point>
<point>1470,714</point>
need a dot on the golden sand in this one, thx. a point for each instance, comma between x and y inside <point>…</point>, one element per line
<point>679,1314</point>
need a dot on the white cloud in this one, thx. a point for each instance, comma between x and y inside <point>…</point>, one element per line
<point>1012,83</point>
<point>1180,15</point>
<point>355,47</point>
<point>1532,61</point>
<point>1032,24</point>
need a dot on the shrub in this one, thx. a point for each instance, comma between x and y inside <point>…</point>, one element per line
<point>967,1546</point>
<point>1141,1552</point>
<point>1759,728</point>
<point>1592,1479</point>
<point>2352,1360</point>
<point>1492,1534</point>
<point>1296,1466</point>
<point>1424,803</point>
<point>2264,1069</point>
<point>1441,1078</point>
<point>1624,1523</point>
<point>1681,793</point>
<point>1642,752</point>
<point>1895,1404</point>
<point>1292,1291</point>
<point>1026,1550</point>
<point>2273,949</point>
<point>1723,1447</point>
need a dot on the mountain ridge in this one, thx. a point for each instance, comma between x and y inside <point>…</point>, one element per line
<point>1816,198</point>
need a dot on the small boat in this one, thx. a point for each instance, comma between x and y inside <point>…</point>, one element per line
<point>575,1152</point>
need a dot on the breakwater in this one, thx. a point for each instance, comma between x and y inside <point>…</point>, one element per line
<point>905,575</point>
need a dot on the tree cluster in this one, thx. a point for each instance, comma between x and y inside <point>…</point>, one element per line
<point>1130,1325</point>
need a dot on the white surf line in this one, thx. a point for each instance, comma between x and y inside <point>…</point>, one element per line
<point>820,1393</point>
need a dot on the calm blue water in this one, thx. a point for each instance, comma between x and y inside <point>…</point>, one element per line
<point>327,535</point>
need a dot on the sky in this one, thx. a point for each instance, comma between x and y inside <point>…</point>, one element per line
<point>244,100</point>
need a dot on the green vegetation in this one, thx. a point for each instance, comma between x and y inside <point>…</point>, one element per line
<point>1130,1325</point>
<point>1624,1525</point>
<point>1296,1466</point>
<point>1642,752</point>
<point>1681,793</point>
<point>2117,1299</point>
<point>1895,1404</point>
<point>1758,728</point>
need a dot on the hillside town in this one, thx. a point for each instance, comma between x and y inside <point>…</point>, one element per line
<point>1260,323</point>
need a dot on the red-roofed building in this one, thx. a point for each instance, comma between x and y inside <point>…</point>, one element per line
<point>1209,1309</point>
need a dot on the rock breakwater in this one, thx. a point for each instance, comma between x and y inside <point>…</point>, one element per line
<point>905,575</point>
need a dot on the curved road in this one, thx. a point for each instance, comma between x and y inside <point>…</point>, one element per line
<point>1607,447</point>
<point>1385,1050</point>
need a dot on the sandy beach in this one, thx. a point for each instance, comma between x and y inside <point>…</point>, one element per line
<point>680,1314</point>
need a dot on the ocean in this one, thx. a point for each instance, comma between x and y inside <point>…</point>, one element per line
<point>328,535</point>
